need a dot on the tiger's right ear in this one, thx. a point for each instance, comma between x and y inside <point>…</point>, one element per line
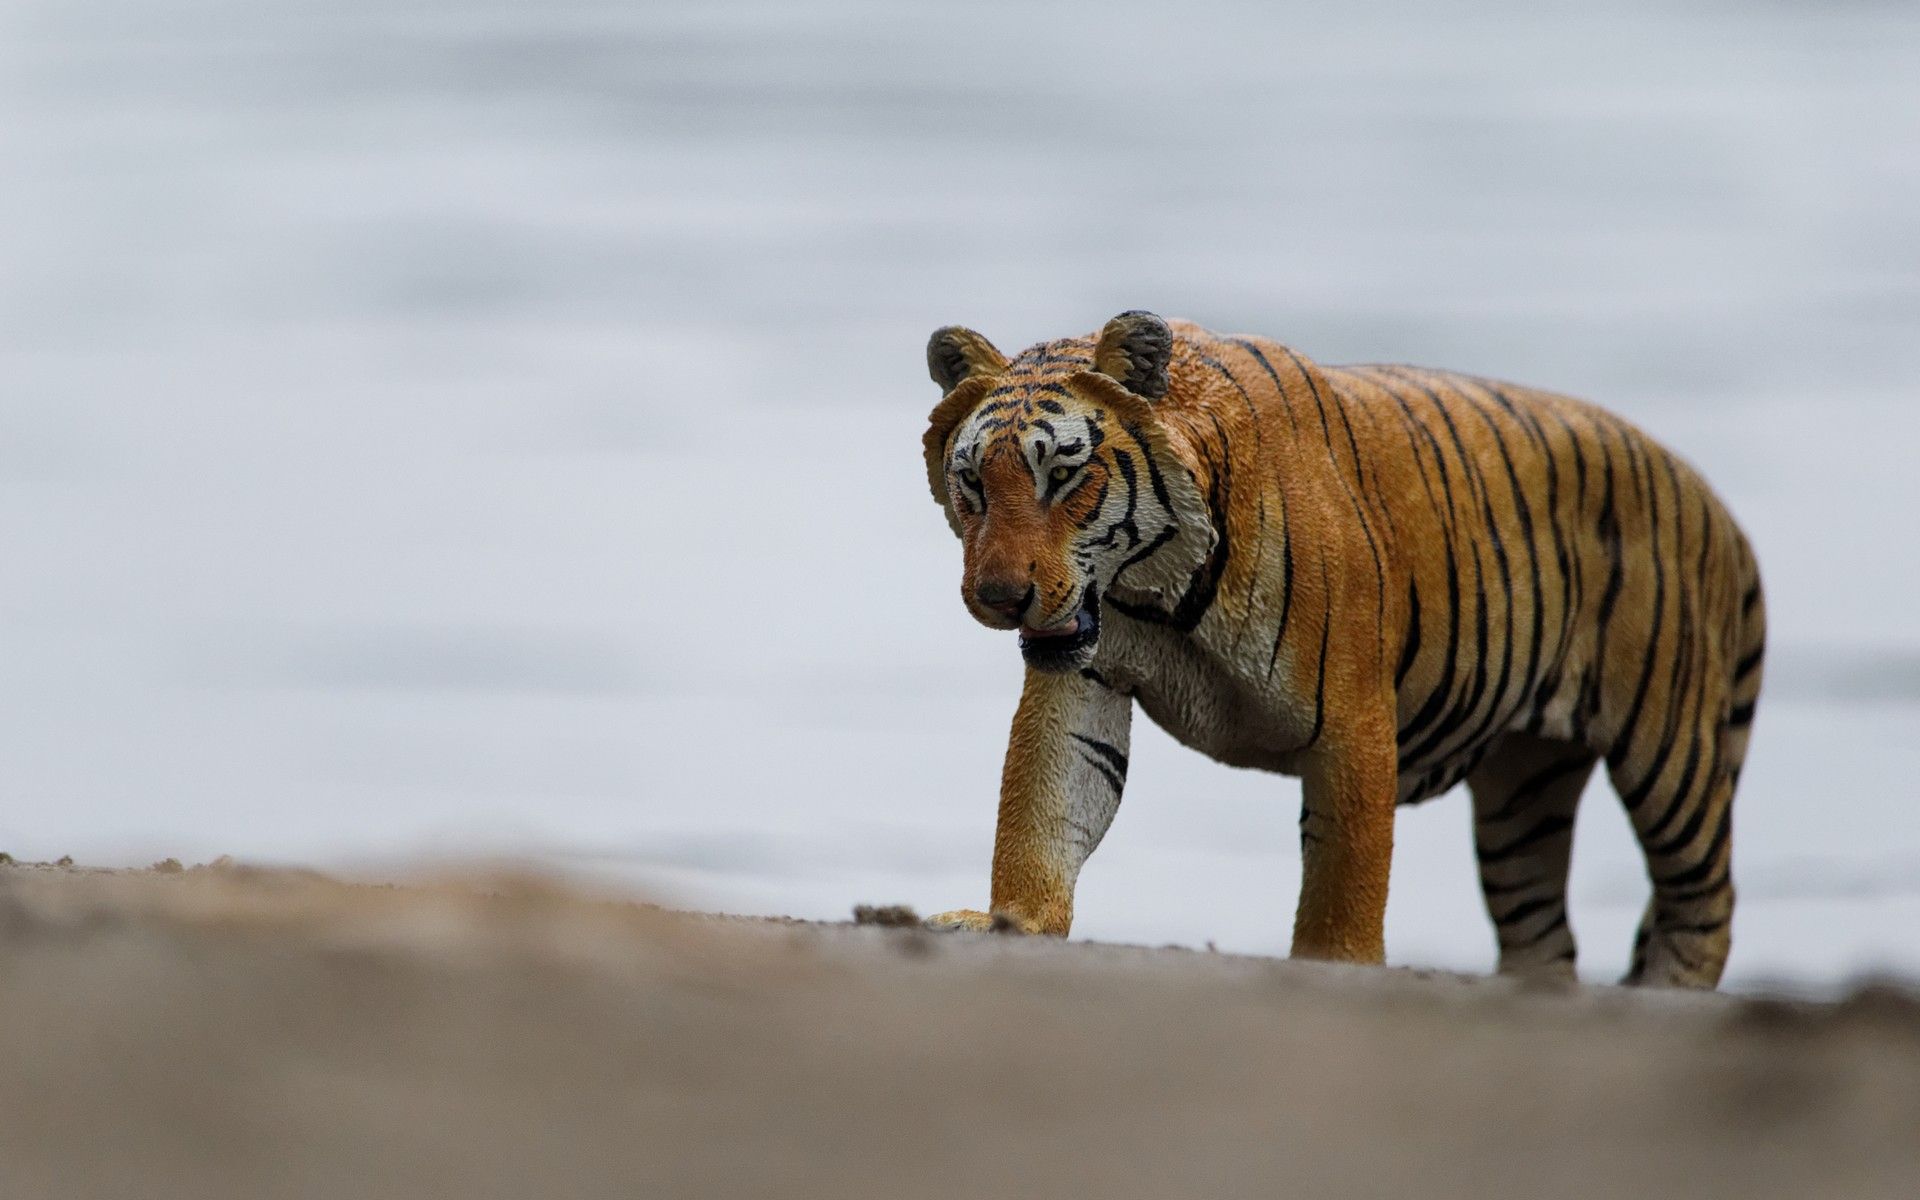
<point>956,354</point>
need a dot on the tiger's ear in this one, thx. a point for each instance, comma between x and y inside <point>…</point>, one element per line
<point>1134,349</point>
<point>956,354</point>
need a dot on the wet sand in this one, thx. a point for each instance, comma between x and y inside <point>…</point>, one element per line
<point>215,1032</point>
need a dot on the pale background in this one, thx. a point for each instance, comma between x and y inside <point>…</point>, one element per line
<point>432,429</point>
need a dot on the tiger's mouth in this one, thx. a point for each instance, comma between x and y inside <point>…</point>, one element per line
<point>1067,646</point>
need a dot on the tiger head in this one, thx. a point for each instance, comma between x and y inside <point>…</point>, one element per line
<point>1064,482</point>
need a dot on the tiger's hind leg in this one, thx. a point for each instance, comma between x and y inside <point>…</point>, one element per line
<point>1681,806</point>
<point>1525,794</point>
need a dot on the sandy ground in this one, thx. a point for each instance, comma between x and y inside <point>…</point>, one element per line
<point>221,1032</point>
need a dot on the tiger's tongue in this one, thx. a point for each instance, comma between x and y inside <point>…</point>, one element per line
<point>1070,627</point>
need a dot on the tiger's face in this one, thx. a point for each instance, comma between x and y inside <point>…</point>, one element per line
<point>1062,486</point>
<point>1031,489</point>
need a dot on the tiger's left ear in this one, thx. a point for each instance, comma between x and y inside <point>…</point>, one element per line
<point>1134,348</point>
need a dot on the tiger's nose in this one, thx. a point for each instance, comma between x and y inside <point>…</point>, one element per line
<point>1004,596</point>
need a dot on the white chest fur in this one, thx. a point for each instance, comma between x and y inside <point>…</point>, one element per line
<point>1240,708</point>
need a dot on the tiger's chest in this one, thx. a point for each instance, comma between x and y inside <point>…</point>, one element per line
<point>1237,709</point>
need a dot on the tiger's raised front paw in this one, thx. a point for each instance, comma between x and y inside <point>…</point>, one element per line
<point>974,921</point>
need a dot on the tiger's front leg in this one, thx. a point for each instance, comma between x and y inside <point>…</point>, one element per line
<point>1066,764</point>
<point>1346,841</point>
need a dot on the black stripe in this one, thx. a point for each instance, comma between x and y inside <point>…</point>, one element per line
<point>1456,715</point>
<point>1492,890</point>
<point>1320,673</point>
<point>1713,886</point>
<point>1105,772</point>
<point>1682,796</point>
<point>1682,793</point>
<point>1206,581</point>
<point>1705,866</point>
<point>1099,502</point>
<point>1546,931</point>
<point>1521,912</point>
<point>1286,582</point>
<point>1160,539</point>
<point>1436,702</point>
<point>1253,414</point>
<point>1610,537</point>
<point>1115,758</point>
<point>1682,839</point>
<point>1123,462</point>
<point>1545,827</point>
<point>1711,925</point>
<point>1353,447</point>
<point>1741,716</point>
<point>1623,743</point>
<point>1637,794</point>
<point>1097,677</point>
<point>1536,783</point>
<point>1571,564</point>
<point>1680,698</point>
<point>1412,648</point>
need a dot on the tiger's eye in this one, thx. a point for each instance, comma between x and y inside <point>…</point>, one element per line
<point>969,475</point>
<point>1060,474</point>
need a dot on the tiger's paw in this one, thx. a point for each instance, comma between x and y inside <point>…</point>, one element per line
<point>974,921</point>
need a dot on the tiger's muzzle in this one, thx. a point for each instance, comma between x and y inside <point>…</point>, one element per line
<point>1068,646</point>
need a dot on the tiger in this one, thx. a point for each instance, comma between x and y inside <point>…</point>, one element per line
<point>1383,580</point>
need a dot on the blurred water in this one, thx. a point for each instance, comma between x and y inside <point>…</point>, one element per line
<point>439,428</point>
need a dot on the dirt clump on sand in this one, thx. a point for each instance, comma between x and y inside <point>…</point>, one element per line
<point>897,916</point>
<point>229,1032</point>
